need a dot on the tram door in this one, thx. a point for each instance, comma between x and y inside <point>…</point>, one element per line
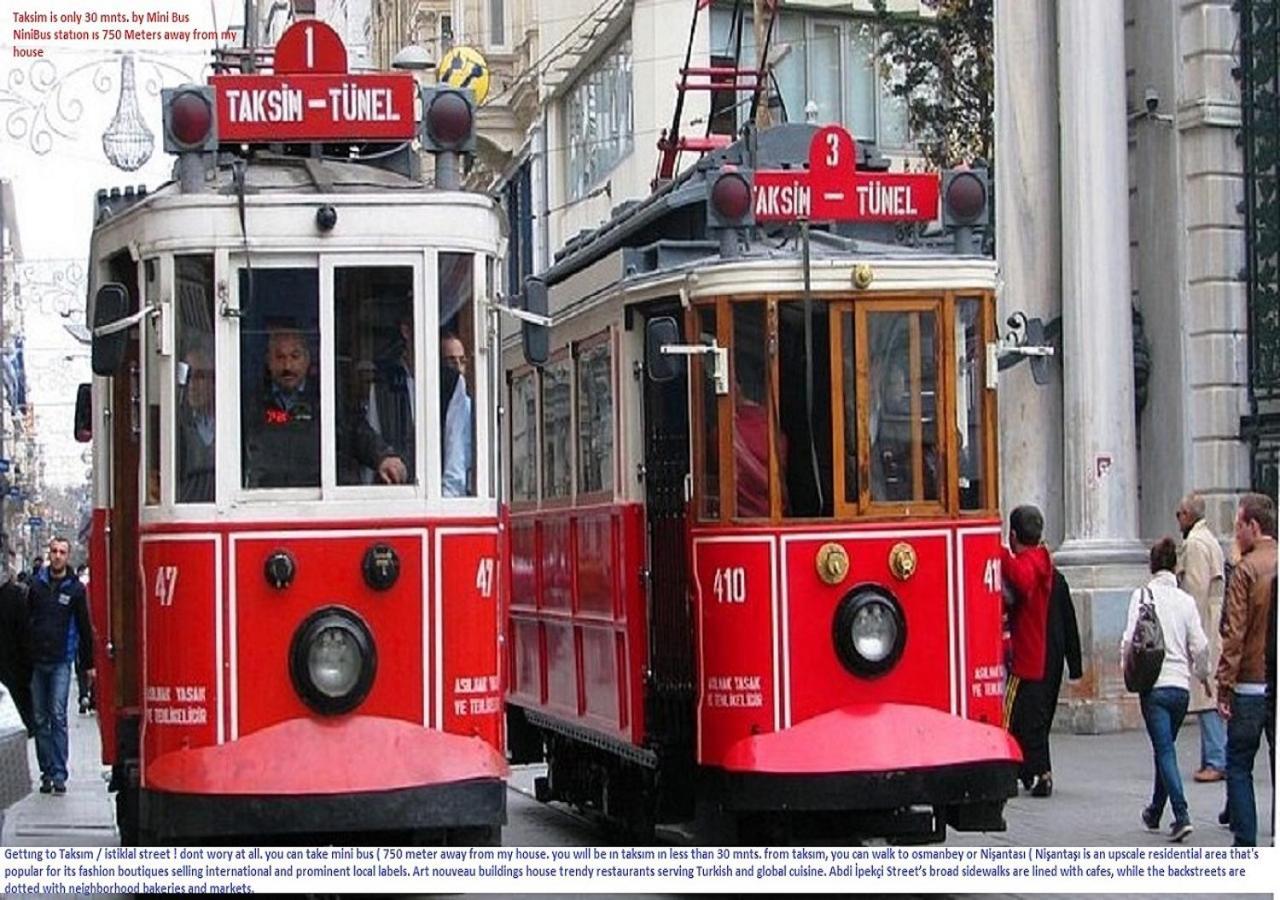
<point>670,693</point>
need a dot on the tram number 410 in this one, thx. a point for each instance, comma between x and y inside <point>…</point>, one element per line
<point>166,582</point>
<point>731,585</point>
<point>991,576</point>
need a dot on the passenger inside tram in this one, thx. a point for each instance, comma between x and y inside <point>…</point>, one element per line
<point>197,427</point>
<point>455,411</point>
<point>282,429</point>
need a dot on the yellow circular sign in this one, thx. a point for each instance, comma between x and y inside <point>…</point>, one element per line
<point>464,67</point>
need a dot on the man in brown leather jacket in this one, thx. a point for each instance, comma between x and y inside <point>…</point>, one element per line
<point>1242,670</point>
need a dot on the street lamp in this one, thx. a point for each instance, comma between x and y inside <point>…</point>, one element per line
<point>413,58</point>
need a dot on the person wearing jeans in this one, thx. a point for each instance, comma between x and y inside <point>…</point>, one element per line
<point>1243,669</point>
<point>1165,705</point>
<point>50,685</point>
<point>57,599</point>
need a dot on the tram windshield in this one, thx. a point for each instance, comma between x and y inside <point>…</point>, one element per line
<point>843,408</point>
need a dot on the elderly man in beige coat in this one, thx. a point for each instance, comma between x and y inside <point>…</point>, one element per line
<point>1200,575</point>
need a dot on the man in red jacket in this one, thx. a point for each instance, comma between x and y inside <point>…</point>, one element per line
<point>1028,574</point>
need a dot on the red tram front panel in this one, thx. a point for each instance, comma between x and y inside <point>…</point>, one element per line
<point>218,634</point>
<point>182,698</point>
<point>264,620</point>
<point>767,659</point>
<point>466,640</point>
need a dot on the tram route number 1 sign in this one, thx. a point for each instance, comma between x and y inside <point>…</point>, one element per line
<point>832,189</point>
<point>311,96</point>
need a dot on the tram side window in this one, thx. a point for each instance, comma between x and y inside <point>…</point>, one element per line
<point>374,377</point>
<point>751,421</point>
<point>904,413</point>
<point>711,419</point>
<point>457,387</point>
<point>524,436</point>
<point>969,396</point>
<point>557,474</point>
<point>805,422</point>
<point>280,378</point>
<point>194,379</point>
<point>152,373</point>
<point>595,420</point>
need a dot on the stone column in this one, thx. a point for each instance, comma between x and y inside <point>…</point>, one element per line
<point>1101,556</point>
<point>1027,249</point>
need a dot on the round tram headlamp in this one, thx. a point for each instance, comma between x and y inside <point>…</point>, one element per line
<point>869,630</point>
<point>332,661</point>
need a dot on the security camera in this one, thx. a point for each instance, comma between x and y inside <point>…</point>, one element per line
<point>1152,99</point>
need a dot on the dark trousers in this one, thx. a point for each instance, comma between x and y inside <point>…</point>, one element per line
<point>1029,708</point>
<point>1252,716</point>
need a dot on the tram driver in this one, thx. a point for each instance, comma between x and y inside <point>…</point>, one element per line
<point>282,428</point>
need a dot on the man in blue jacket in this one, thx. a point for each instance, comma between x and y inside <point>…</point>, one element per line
<point>57,601</point>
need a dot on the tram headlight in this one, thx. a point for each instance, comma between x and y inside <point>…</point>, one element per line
<point>332,661</point>
<point>869,630</point>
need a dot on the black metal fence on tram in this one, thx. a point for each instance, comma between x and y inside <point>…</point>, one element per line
<point>1260,138</point>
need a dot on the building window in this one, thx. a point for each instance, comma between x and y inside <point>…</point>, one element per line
<point>832,62</point>
<point>598,120</point>
<point>497,23</point>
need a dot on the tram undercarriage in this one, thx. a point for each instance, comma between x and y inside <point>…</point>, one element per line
<point>755,799</point>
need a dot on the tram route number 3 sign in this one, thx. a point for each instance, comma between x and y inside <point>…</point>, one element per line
<point>832,188</point>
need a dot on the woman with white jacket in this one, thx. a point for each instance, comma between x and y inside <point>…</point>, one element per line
<point>1165,705</point>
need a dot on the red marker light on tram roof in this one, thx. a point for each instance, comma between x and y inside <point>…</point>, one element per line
<point>966,197</point>
<point>190,118</point>
<point>731,197</point>
<point>449,119</point>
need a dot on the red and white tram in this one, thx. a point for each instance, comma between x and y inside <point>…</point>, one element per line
<point>754,532</point>
<point>297,635</point>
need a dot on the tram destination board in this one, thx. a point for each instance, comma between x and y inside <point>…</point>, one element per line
<point>832,189</point>
<point>262,108</point>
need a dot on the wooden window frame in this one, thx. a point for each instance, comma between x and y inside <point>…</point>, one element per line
<point>524,503</point>
<point>942,304</point>
<point>604,338</point>
<point>937,305</point>
<point>546,502</point>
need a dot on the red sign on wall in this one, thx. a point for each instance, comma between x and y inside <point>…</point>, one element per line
<point>311,97</point>
<point>832,189</point>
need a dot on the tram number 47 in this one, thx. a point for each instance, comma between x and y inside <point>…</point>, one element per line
<point>484,576</point>
<point>166,582</point>
<point>731,585</point>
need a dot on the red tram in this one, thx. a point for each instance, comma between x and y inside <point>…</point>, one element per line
<point>754,533</point>
<point>295,541</point>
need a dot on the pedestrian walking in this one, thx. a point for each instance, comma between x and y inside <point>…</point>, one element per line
<point>15,658</point>
<point>57,599</point>
<point>1028,711</point>
<point>1186,649</point>
<point>1242,671</point>
<point>1200,574</point>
